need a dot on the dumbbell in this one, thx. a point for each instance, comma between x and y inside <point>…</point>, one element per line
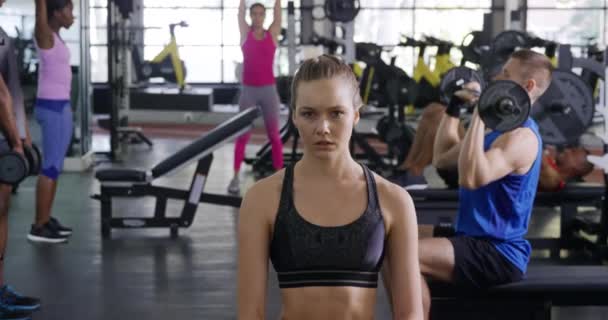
<point>14,167</point>
<point>454,79</point>
<point>34,159</point>
<point>503,105</point>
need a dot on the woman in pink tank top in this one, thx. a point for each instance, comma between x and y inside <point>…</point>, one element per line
<point>53,112</point>
<point>258,83</point>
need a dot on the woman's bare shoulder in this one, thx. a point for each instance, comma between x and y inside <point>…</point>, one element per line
<point>394,200</point>
<point>265,194</point>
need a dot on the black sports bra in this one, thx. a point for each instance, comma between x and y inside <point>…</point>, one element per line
<point>305,254</point>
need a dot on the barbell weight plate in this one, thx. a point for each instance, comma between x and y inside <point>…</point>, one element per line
<point>508,41</point>
<point>382,127</point>
<point>565,111</point>
<point>497,115</point>
<point>13,168</point>
<point>501,48</point>
<point>454,79</point>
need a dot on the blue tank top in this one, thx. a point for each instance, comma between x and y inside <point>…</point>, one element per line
<point>500,211</point>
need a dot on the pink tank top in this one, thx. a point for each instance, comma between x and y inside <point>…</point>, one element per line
<point>55,73</point>
<point>258,60</point>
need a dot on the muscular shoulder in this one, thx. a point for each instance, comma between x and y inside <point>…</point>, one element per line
<point>520,137</point>
<point>396,203</point>
<point>521,143</point>
<point>263,197</point>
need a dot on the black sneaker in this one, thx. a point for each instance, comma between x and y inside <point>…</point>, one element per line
<point>45,233</point>
<point>63,230</point>
<point>12,301</point>
<point>409,181</point>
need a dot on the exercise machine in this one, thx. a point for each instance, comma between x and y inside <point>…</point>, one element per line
<point>119,80</point>
<point>167,64</point>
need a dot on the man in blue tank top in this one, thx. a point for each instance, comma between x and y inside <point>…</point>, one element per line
<point>498,177</point>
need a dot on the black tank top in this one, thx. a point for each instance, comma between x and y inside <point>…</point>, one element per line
<point>305,254</point>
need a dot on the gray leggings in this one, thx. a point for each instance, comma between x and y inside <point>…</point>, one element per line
<point>267,98</point>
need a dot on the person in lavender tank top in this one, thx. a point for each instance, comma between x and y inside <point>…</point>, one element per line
<point>53,112</point>
<point>258,83</point>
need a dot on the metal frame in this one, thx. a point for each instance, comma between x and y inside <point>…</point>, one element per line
<point>191,197</point>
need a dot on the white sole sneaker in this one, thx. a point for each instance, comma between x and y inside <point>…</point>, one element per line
<point>34,238</point>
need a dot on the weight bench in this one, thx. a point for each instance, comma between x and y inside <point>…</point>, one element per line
<point>532,298</point>
<point>132,183</point>
<point>435,205</point>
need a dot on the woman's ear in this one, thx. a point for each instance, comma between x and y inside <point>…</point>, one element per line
<point>357,115</point>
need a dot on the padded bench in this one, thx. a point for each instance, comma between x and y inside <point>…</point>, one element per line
<point>120,175</point>
<point>438,205</point>
<point>130,183</point>
<point>531,298</point>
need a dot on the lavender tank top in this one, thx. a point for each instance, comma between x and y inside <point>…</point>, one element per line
<point>55,74</point>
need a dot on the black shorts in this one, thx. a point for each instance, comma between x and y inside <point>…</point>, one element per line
<point>478,264</point>
<point>450,177</point>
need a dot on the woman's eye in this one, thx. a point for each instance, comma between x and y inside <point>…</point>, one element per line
<point>337,114</point>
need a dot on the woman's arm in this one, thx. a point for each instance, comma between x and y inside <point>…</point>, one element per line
<point>243,26</point>
<point>275,27</point>
<point>42,30</point>
<point>402,253</point>
<point>253,243</point>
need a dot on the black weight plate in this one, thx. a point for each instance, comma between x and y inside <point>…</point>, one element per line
<point>508,41</point>
<point>565,111</point>
<point>454,79</point>
<point>38,161</point>
<point>489,102</point>
<point>382,127</point>
<point>13,168</point>
<point>31,159</point>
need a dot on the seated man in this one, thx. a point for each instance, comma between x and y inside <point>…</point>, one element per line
<point>497,188</point>
<point>557,168</point>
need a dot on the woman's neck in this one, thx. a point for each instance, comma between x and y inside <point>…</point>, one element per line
<point>55,26</point>
<point>338,167</point>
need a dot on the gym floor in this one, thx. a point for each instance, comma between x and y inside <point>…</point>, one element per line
<point>144,274</point>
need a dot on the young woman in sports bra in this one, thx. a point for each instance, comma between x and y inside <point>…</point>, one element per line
<point>258,83</point>
<point>327,223</point>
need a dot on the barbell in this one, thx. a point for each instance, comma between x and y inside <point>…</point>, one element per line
<point>563,113</point>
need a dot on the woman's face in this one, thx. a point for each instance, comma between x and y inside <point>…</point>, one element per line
<point>258,15</point>
<point>65,16</point>
<point>325,116</point>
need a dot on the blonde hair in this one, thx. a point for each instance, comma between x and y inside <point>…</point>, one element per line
<point>325,67</point>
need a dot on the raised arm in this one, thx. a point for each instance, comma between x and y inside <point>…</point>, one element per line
<point>275,27</point>
<point>42,30</point>
<point>253,243</point>
<point>477,167</point>
<point>243,26</point>
<point>401,271</point>
<point>446,146</point>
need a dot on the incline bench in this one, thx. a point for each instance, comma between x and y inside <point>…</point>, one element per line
<point>433,205</point>
<point>532,298</point>
<point>136,183</point>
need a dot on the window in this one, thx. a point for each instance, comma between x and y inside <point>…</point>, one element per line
<point>569,21</point>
